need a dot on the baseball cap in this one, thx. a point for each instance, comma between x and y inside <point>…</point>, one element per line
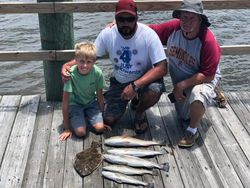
<point>194,6</point>
<point>128,6</point>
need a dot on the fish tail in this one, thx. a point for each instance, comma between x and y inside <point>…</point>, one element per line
<point>165,167</point>
<point>155,172</point>
<point>150,185</point>
<point>164,150</point>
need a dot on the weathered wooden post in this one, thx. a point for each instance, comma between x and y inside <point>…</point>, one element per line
<point>56,32</point>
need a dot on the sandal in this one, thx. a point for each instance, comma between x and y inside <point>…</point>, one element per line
<point>141,125</point>
<point>220,98</point>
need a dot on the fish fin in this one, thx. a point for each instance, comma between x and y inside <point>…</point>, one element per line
<point>155,172</point>
<point>164,150</point>
<point>150,185</point>
<point>165,167</point>
<point>126,136</point>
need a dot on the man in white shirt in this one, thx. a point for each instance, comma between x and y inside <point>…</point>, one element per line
<point>139,64</point>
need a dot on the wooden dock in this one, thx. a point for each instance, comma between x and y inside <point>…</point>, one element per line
<point>31,154</point>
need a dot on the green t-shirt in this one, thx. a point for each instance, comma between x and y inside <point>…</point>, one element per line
<point>82,88</point>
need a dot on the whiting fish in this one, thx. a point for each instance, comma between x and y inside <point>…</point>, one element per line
<point>134,161</point>
<point>129,170</point>
<point>127,141</point>
<point>136,152</point>
<point>121,178</point>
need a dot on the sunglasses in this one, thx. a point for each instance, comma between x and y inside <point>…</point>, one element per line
<point>125,19</point>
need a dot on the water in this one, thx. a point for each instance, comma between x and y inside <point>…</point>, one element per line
<point>21,32</point>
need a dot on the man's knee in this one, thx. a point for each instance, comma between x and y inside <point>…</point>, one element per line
<point>80,132</point>
<point>151,96</point>
<point>108,120</point>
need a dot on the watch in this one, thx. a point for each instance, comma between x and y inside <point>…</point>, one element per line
<point>135,87</point>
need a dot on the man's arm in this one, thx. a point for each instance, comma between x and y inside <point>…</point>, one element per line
<point>157,72</point>
<point>196,79</point>
<point>66,69</point>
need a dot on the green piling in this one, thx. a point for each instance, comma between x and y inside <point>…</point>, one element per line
<point>56,33</point>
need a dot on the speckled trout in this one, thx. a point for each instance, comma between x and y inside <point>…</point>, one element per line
<point>122,178</point>
<point>136,152</point>
<point>127,141</point>
<point>129,170</point>
<point>134,161</point>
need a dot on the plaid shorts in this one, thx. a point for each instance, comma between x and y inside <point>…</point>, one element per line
<point>115,106</point>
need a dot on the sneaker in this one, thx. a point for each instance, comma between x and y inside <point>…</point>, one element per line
<point>188,139</point>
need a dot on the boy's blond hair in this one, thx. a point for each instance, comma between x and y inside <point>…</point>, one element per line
<point>85,50</point>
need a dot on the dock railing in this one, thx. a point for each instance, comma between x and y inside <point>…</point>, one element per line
<point>103,6</point>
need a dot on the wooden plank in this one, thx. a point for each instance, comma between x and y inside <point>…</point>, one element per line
<point>8,109</point>
<point>224,173</point>
<point>238,159</point>
<point>16,155</point>
<point>239,109</point>
<point>33,177</point>
<point>157,180</point>
<point>197,157</point>
<point>21,7</point>
<point>123,127</point>
<point>183,157</point>
<point>158,132</point>
<point>109,6</point>
<point>235,49</point>
<point>95,179</point>
<point>71,178</point>
<point>60,55</point>
<point>203,159</point>
<point>54,168</point>
<point>235,124</point>
<point>27,55</point>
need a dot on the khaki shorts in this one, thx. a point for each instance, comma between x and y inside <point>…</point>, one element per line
<point>203,92</point>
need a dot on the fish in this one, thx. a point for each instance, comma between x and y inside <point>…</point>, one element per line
<point>122,178</point>
<point>134,161</point>
<point>127,141</point>
<point>129,170</point>
<point>136,152</point>
<point>88,160</point>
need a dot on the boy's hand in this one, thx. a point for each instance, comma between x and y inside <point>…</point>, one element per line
<point>107,128</point>
<point>65,135</point>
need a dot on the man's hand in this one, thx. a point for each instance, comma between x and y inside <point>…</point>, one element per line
<point>65,135</point>
<point>111,24</point>
<point>107,128</point>
<point>179,93</point>
<point>65,72</point>
<point>128,93</point>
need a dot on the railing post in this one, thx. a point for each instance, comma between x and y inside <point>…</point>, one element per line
<point>56,33</point>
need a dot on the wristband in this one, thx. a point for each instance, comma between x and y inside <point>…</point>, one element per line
<point>135,87</point>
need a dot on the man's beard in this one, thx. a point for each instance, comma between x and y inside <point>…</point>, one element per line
<point>189,30</point>
<point>127,31</point>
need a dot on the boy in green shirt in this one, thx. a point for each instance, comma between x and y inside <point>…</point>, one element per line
<point>83,99</point>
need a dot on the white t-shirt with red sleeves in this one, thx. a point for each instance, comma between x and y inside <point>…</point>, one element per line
<point>132,57</point>
<point>189,56</point>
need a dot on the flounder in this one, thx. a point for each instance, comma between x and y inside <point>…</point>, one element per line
<point>88,160</point>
